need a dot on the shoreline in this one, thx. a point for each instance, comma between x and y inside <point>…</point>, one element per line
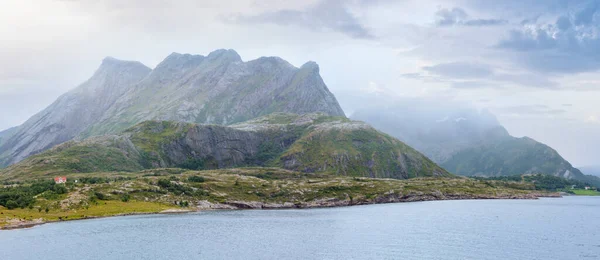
<point>325,203</point>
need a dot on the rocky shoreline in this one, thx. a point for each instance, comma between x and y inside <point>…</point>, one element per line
<point>322,203</point>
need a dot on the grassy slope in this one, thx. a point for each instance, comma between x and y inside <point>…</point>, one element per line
<point>232,186</point>
<point>364,152</point>
<point>512,157</point>
<point>322,144</point>
<point>585,192</point>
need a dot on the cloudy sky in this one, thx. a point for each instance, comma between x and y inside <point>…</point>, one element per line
<point>535,64</point>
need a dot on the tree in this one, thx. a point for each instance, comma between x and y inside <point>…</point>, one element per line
<point>195,178</point>
<point>11,204</point>
<point>125,197</point>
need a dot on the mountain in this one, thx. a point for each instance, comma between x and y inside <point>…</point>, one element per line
<point>307,143</point>
<point>6,133</point>
<point>217,89</point>
<point>468,142</point>
<point>591,170</point>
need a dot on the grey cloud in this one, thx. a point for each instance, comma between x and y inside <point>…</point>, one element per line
<point>530,110</point>
<point>412,75</point>
<point>458,16</point>
<point>474,85</point>
<point>571,44</point>
<point>522,7</point>
<point>460,70</point>
<point>484,22</point>
<point>530,80</point>
<point>325,15</point>
<point>457,72</point>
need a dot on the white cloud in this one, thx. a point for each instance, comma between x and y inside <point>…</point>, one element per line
<point>592,119</point>
<point>442,120</point>
<point>374,88</point>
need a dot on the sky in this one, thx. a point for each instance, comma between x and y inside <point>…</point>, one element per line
<point>535,64</point>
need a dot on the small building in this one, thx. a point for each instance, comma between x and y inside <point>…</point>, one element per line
<point>60,179</point>
<point>587,187</point>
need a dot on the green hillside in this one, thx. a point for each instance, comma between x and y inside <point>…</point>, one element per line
<point>305,143</point>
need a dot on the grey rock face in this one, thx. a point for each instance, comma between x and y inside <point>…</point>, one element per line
<point>217,89</point>
<point>220,89</point>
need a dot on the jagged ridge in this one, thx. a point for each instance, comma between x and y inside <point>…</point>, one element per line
<point>218,89</point>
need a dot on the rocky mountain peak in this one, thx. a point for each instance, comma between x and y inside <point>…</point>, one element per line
<point>177,61</point>
<point>218,88</point>
<point>228,55</point>
<point>311,66</point>
<point>110,64</point>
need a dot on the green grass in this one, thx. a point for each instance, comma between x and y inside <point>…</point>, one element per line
<point>155,190</point>
<point>361,151</point>
<point>102,209</point>
<point>585,192</point>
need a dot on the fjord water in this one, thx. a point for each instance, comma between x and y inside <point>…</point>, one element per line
<point>567,228</point>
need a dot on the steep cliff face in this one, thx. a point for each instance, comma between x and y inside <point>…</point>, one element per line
<point>220,89</point>
<point>74,111</point>
<point>307,143</point>
<point>217,89</point>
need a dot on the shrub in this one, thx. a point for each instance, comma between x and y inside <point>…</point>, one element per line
<point>125,197</point>
<point>23,195</point>
<point>60,189</point>
<point>192,164</point>
<point>175,188</point>
<point>11,204</point>
<point>164,183</point>
<point>196,179</point>
<point>100,196</point>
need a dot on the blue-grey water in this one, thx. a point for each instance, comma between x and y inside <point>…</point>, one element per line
<point>567,228</point>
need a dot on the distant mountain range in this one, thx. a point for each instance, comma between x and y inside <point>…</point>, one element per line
<point>469,142</point>
<point>216,89</point>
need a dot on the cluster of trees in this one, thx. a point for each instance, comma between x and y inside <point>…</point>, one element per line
<point>22,196</point>
<point>541,181</point>
<point>174,187</point>
<point>95,180</point>
<point>195,178</point>
<point>179,189</point>
<point>192,164</point>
